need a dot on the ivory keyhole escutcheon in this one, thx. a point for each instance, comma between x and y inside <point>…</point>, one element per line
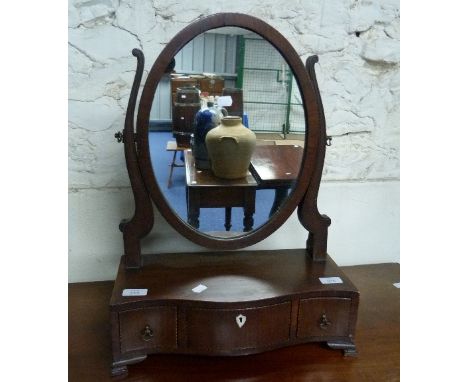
<point>241,319</point>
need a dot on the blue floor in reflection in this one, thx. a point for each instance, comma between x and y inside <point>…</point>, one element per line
<point>211,219</point>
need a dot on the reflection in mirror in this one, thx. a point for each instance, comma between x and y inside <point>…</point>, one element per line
<point>227,132</point>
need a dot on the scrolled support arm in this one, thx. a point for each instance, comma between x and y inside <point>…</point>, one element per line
<point>308,213</point>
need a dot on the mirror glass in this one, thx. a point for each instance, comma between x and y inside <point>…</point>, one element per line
<point>227,132</point>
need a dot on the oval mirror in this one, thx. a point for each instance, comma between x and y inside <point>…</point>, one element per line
<point>236,71</point>
<point>232,82</point>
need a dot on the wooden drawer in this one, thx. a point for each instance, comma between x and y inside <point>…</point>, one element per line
<point>327,317</point>
<point>162,328</point>
<point>183,116</point>
<point>187,95</point>
<point>182,82</point>
<point>226,330</point>
<point>237,197</point>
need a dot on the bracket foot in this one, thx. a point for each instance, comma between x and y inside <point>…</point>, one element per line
<point>348,347</point>
<point>120,367</point>
<point>121,370</point>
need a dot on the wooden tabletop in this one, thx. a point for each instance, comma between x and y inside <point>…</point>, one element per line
<point>276,165</point>
<point>377,340</point>
<point>206,178</point>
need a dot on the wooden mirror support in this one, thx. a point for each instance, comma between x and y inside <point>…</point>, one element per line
<point>224,302</point>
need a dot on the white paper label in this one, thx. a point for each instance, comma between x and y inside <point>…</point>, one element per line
<point>183,96</point>
<point>330,280</point>
<point>396,285</point>
<point>200,288</point>
<point>225,101</point>
<point>134,292</point>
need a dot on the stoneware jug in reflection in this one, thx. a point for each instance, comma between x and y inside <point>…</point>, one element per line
<point>230,147</point>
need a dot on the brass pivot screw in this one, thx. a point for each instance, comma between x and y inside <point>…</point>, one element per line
<point>119,136</point>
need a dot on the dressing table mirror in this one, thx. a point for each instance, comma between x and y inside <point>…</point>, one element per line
<point>237,63</point>
<point>226,302</point>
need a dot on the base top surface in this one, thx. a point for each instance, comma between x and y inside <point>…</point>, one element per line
<point>229,277</point>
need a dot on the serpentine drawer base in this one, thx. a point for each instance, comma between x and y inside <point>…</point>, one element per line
<point>254,301</point>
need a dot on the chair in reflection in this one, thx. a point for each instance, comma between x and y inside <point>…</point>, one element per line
<point>173,146</point>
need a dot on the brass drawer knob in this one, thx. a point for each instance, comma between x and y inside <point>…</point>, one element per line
<point>147,333</point>
<point>324,323</point>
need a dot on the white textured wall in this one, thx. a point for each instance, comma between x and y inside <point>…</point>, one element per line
<point>359,81</point>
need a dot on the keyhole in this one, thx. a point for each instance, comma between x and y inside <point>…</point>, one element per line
<point>240,319</point>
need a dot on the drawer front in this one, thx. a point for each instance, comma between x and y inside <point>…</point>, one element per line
<point>225,330</point>
<point>323,317</point>
<point>148,328</point>
<point>183,117</point>
<point>187,95</point>
<point>226,197</point>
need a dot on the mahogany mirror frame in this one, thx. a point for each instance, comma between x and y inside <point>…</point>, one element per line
<point>143,179</point>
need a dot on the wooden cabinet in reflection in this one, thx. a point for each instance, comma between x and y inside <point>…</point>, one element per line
<point>185,96</point>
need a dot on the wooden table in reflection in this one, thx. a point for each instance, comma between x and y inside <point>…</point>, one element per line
<point>204,190</point>
<point>276,167</point>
